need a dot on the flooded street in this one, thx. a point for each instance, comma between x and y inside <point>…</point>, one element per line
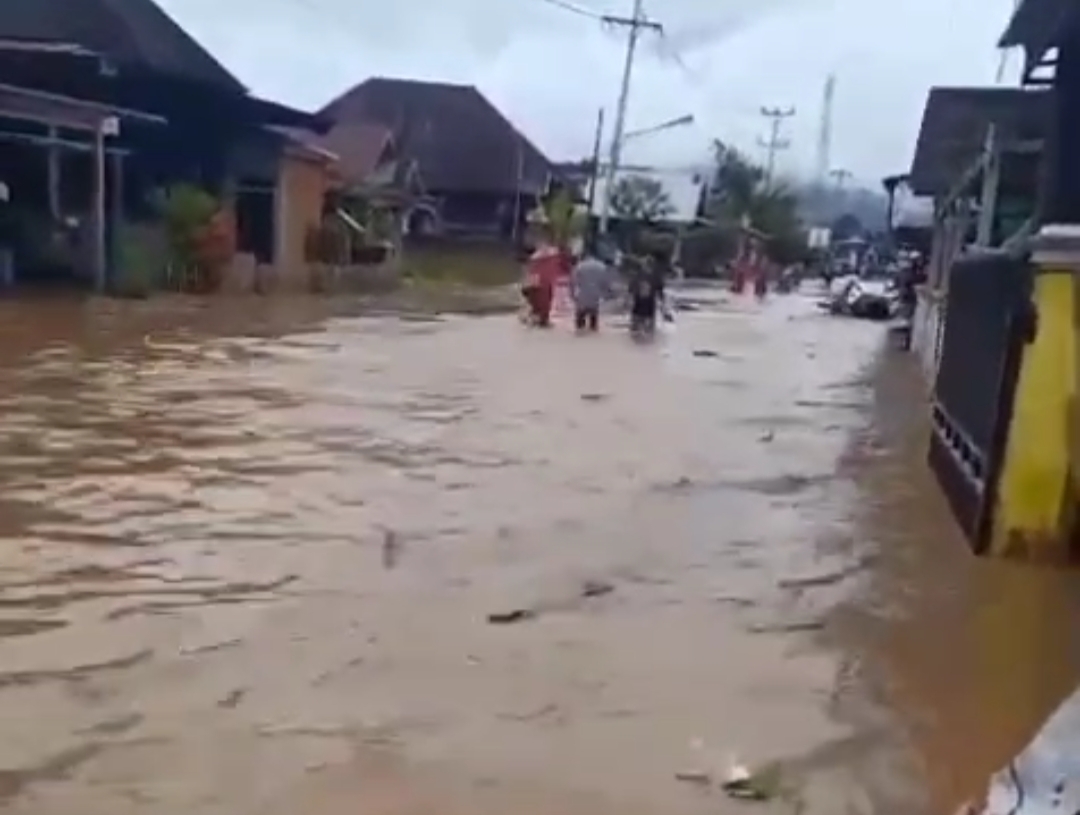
<point>248,563</point>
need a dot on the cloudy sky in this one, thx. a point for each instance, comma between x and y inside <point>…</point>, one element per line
<point>550,69</point>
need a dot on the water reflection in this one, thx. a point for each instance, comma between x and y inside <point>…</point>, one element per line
<point>973,653</point>
<point>197,612</point>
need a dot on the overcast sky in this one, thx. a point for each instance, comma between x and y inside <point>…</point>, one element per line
<point>550,70</point>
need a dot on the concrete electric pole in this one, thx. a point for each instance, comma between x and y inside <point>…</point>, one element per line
<point>774,143</point>
<point>824,147</point>
<point>636,23</point>
<point>840,177</point>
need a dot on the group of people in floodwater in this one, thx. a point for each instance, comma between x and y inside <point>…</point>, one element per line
<point>592,279</point>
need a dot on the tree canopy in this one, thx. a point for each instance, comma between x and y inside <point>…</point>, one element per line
<point>640,198</point>
<point>740,193</point>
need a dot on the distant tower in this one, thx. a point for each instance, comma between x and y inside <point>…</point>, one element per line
<point>824,147</point>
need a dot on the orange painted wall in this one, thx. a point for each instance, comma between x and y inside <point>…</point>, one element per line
<point>302,186</point>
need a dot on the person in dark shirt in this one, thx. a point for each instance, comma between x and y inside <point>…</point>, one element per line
<point>646,293</point>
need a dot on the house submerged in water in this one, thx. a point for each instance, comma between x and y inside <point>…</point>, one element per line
<point>106,103</point>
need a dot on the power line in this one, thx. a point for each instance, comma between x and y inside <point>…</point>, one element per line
<point>774,143</point>
<point>573,8</point>
<point>670,53</point>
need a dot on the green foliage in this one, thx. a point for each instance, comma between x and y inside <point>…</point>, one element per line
<point>186,210</point>
<point>447,263</point>
<point>563,218</point>
<point>740,193</point>
<point>358,208</point>
<point>640,198</point>
<point>735,184</point>
<point>140,265</point>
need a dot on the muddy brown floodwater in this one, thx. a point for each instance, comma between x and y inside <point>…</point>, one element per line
<point>248,554</point>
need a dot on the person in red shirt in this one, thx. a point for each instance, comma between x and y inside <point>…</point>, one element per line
<point>543,271</point>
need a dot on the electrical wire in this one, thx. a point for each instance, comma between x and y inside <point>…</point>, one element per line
<point>573,8</point>
<point>668,53</point>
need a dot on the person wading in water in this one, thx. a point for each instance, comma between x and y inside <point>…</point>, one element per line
<point>589,282</point>
<point>542,272</point>
<point>646,291</point>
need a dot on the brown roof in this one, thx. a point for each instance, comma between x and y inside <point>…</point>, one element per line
<point>359,147</point>
<point>954,127</point>
<point>306,142</point>
<point>458,139</point>
<point>126,31</point>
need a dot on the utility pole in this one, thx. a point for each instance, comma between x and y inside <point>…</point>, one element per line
<point>636,23</point>
<point>840,177</point>
<point>594,173</point>
<point>824,147</point>
<point>774,143</point>
<point>515,228</point>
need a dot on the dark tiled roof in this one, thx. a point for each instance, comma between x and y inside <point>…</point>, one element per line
<point>460,141</point>
<point>126,31</point>
<point>954,130</point>
<point>1037,25</point>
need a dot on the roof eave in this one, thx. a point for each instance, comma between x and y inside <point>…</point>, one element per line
<point>275,114</point>
<point>1036,25</point>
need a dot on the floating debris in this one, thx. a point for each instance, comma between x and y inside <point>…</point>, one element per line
<point>797,627</point>
<point>588,590</point>
<point>818,580</point>
<point>767,436</point>
<point>763,785</point>
<point>596,588</point>
<point>518,615</point>
<point>391,548</point>
<point>232,699</point>
<point>694,777</point>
